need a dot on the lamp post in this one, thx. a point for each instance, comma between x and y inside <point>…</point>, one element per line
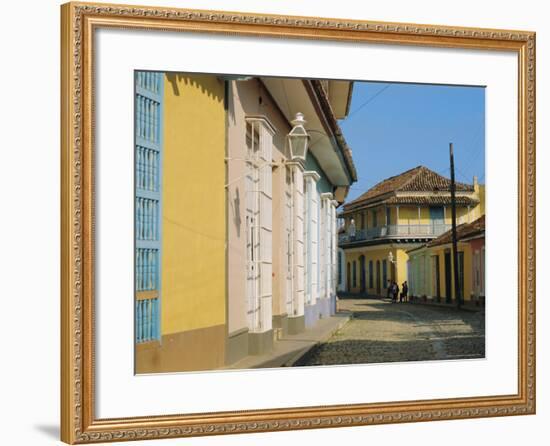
<point>298,139</point>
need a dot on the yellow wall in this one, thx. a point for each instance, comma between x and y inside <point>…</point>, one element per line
<point>368,217</point>
<point>399,256</point>
<point>440,251</point>
<point>461,215</point>
<point>402,258</point>
<point>480,208</point>
<point>481,199</point>
<point>193,204</point>
<point>409,214</point>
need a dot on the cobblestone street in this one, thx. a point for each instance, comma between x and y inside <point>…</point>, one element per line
<point>380,331</point>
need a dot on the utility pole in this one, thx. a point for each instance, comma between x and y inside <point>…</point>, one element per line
<point>453,230</point>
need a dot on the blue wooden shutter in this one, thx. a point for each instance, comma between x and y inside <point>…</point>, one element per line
<point>148,204</point>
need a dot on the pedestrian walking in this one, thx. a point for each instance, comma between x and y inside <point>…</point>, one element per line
<point>395,291</point>
<point>389,290</point>
<point>405,291</point>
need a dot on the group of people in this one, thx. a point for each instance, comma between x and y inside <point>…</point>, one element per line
<point>394,292</point>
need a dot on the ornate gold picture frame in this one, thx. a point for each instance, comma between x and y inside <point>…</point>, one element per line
<point>79,22</point>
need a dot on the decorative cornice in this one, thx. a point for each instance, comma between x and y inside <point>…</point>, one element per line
<point>298,164</point>
<point>312,174</point>
<point>264,120</point>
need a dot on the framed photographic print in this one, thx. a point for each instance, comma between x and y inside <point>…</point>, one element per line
<point>260,211</point>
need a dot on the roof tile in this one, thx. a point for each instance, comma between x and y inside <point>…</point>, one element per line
<point>418,179</point>
<point>463,231</point>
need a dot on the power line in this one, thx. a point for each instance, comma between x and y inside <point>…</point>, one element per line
<point>462,174</point>
<point>443,171</point>
<point>472,154</point>
<point>369,100</point>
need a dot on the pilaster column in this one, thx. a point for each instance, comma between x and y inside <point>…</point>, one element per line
<point>334,247</point>
<point>311,233</point>
<point>326,258</point>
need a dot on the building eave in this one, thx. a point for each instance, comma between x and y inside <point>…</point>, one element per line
<point>333,126</point>
<point>327,145</point>
<point>418,199</point>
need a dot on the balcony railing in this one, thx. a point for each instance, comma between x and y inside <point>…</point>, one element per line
<point>395,231</point>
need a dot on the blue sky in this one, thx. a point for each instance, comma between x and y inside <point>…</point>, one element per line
<point>395,127</point>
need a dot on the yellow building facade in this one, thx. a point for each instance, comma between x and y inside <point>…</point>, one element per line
<point>191,289</point>
<point>377,269</point>
<point>397,215</point>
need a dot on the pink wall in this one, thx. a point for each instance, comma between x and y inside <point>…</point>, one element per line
<point>244,100</point>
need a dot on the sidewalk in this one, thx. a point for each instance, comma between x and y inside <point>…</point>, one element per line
<point>287,351</point>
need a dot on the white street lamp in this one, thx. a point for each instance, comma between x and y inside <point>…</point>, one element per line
<point>298,139</point>
<point>390,257</point>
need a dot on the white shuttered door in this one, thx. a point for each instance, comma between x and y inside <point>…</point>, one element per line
<point>252,233</point>
<point>258,181</point>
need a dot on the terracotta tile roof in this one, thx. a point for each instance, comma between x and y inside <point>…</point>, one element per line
<point>463,231</point>
<point>419,179</point>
